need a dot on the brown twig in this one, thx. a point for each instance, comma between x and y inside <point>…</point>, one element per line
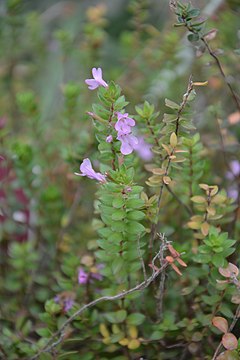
<point>235,97</point>
<point>218,63</point>
<point>186,207</point>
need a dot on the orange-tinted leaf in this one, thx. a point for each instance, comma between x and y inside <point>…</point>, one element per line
<point>181,262</point>
<point>220,323</point>
<point>170,259</point>
<point>194,225</point>
<point>173,251</point>
<point>229,270</point>
<point>176,269</point>
<point>167,180</point>
<point>234,118</point>
<point>205,228</point>
<point>153,267</point>
<point>229,341</point>
<point>233,269</point>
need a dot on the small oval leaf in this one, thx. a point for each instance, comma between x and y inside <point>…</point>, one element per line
<point>229,341</point>
<point>220,323</point>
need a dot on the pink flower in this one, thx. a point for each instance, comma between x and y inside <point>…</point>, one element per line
<point>124,123</point>
<point>109,139</point>
<point>128,141</point>
<point>87,170</point>
<point>143,149</point>
<point>82,276</point>
<point>97,79</point>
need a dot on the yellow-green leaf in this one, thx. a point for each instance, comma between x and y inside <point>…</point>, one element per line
<point>205,228</point>
<point>198,199</point>
<point>173,140</point>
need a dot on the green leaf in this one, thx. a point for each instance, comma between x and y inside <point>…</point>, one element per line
<point>45,356</point>
<point>120,103</point>
<point>134,227</point>
<point>193,37</point>
<point>218,260</point>
<point>211,300</point>
<point>51,307</point>
<point>135,319</point>
<point>116,337</point>
<point>171,104</point>
<point>134,203</point>
<point>135,215</point>
<point>118,226</point>
<point>116,317</point>
<point>193,13</point>
<point>118,214</point>
<point>44,332</point>
<point>117,265</point>
<point>118,202</point>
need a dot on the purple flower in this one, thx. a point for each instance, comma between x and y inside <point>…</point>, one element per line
<point>87,170</point>
<point>235,170</point>
<point>233,193</point>
<point>68,304</point>
<point>109,139</point>
<point>124,123</point>
<point>235,167</point>
<point>82,276</point>
<point>143,149</point>
<point>97,79</point>
<point>128,141</point>
<point>65,300</point>
<point>96,276</point>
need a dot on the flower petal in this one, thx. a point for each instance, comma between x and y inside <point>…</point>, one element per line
<point>92,84</point>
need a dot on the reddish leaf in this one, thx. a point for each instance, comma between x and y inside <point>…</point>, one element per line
<point>229,341</point>
<point>173,252</point>
<point>229,270</point>
<point>176,269</point>
<point>181,262</point>
<point>220,323</point>
<point>170,259</point>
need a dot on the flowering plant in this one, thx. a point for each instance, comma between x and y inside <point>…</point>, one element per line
<point>134,255</point>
